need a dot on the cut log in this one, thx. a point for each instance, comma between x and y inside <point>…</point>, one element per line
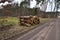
<point>29,20</point>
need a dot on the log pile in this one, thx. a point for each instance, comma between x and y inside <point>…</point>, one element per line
<point>29,20</point>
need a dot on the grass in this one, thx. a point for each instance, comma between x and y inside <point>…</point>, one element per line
<point>16,29</point>
<point>15,20</point>
<point>44,20</point>
<point>9,20</point>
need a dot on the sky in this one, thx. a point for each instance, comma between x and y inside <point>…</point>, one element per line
<point>50,6</point>
<point>3,4</point>
<point>17,1</point>
<point>32,4</point>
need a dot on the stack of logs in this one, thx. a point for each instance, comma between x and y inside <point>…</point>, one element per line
<point>29,20</point>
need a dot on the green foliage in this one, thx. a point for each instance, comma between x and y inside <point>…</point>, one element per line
<point>4,22</point>
<point>8,22</point>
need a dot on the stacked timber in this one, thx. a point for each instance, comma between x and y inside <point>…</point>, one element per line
<point>29,20</point>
